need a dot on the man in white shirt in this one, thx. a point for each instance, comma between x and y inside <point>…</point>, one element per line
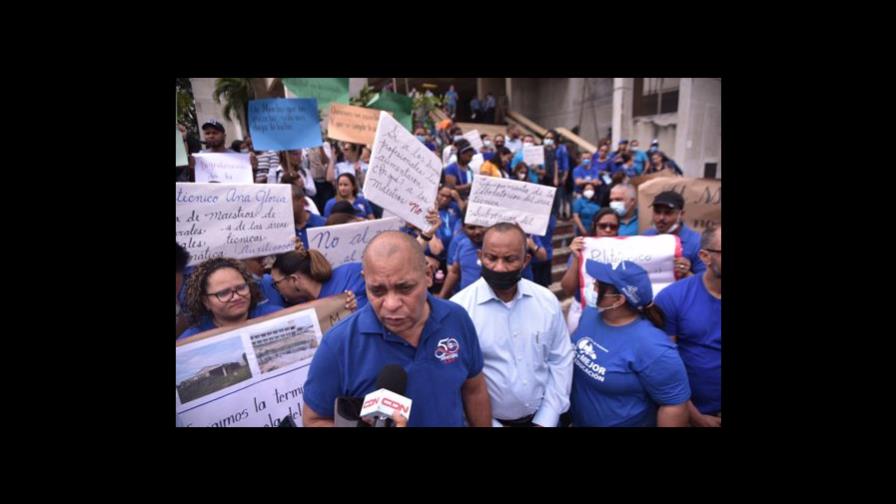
<point>525,344</point>
<point>513,141</point>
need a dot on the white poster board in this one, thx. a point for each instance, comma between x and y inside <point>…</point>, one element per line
<point>494,200</point>
<point>403,175</point>
<point>229,168</point>
<point>656,254</point>
<point>475,139</point>
<point>228,220</point>
<point>345,243</point>
<point>533,155</point>
<point>252,376</point>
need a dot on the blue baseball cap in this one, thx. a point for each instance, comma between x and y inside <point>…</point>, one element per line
<point>630,279</point>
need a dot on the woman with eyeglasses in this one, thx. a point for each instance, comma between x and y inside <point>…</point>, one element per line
<point>222,293</point>
<point>606,224</point>
<point>306,275</point>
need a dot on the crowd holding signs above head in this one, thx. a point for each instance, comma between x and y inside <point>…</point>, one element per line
<point>327,256</point>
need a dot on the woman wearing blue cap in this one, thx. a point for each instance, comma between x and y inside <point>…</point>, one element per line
<point>627,372</point>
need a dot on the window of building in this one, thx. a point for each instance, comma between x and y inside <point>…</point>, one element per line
<point>655,96</point>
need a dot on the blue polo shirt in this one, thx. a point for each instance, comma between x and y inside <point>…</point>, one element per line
<point>356,349</point>
<point>690,246</point>
<point>606,165</point>
<point>361,206</point>
<point>621,375</point>
<point>270,292</point>
<point>546,241</point>
<point>346,277</point>
<point>459,174</point>
<point>313,220</point>
<point>586,209</point>
<point>561,157</point>
<point>451,217</point>
<point>206,324</point>
<point>466,254</point>
<point>589,174</point>
<point>640,159</point>
<point>695,316</point>
<point>630,228</point>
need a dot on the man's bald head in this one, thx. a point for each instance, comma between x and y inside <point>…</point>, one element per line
<point>393,245</point>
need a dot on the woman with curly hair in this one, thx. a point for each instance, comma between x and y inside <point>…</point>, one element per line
<point>221,293</point>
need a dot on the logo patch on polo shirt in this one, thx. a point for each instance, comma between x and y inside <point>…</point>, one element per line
<point>447,350</point>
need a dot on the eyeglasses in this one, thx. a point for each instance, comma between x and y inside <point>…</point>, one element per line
<point>607,225</point>
<point>227,294</point>
<point>713,250</point>
<point>274,283</point>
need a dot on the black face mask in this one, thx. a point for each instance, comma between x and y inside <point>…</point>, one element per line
<point>501,281</point>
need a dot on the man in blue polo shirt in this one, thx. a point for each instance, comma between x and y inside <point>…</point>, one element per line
<point>693,310</point>
<point>433,340</point>
<point>668,217</point>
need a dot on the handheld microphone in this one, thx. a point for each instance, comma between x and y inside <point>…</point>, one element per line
<point>388,397</point>
<point>347,412</point>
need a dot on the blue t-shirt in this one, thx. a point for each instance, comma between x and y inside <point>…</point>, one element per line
<point>546,241</point>
<point>621,375</point>
<point>206,324</point>
<point>586,210</point>
<point>517,157</point>
<point>466,255</point>
<point>690,246</point>
<point>532,175</point>
<point>561,157</point>
<point>313,220</point>
<point>630,228</point>
<point>451,97</point>
<point>346,277</point>
<point>606,165</point>
<point>639,158</point>
<point>355,350</point>
<point>451,217</point>
<point>266,282</point>
<point>589,174</point>
<point>459,174</point>
<point>458,236</point>
<point>695,316</point>
<point>362,207</point>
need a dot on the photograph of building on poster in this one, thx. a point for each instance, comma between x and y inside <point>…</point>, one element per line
<point>284,345</point>
<point>211,368</point>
